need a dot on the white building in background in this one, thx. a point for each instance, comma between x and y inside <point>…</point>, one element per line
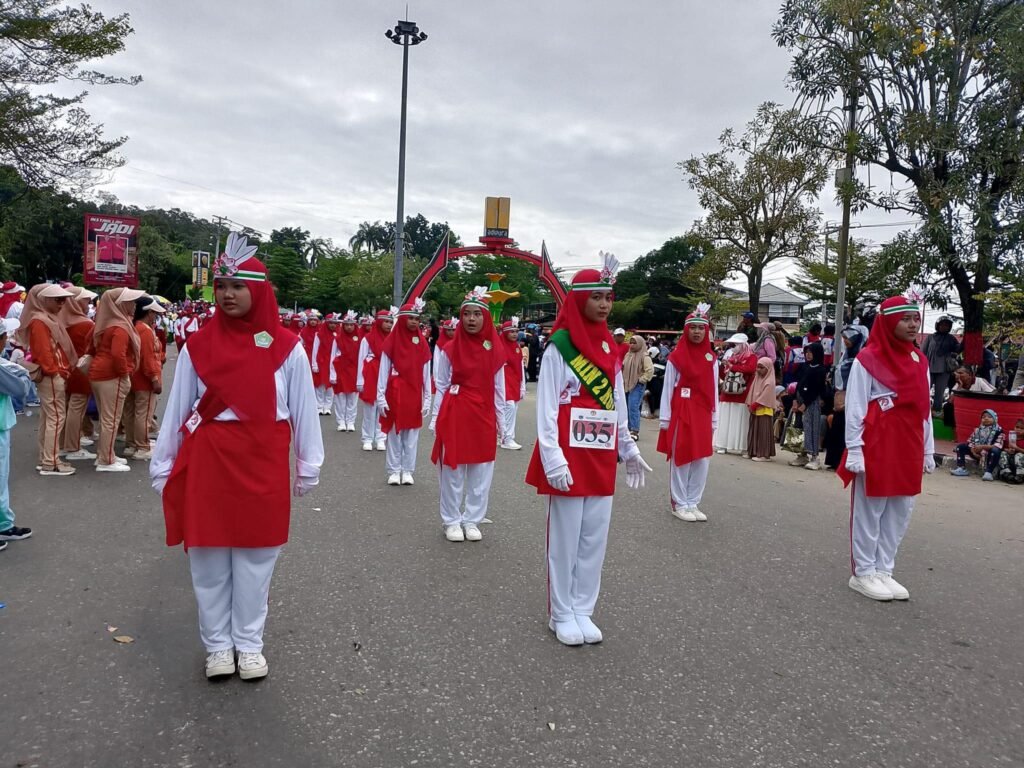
<point>776,304</point>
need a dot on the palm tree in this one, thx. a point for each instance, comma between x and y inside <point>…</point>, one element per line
<point>370,237</point>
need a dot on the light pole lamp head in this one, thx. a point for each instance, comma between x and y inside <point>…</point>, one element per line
<point>406,33</point>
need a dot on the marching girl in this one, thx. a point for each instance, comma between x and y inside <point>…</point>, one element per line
<point>889,445</point>
<point>43,335</point>
<point>146,382</point>
<point>582,432</point>
<point>403,392</point>
<point>344,360</point>
<point>515,382</point>
<point>74,316</point>
<point>308,334</point>
<point>367,369</point>
<point>444,338</point>
<point>689,415</point>
<point>117,354</point>
<point>470,399</point>
<point>365,326</point>
<point>242,388</point>
<point>323,343</point>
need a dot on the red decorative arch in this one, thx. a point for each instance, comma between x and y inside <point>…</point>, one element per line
<point>489,246</point>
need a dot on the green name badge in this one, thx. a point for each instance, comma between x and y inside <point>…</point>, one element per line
<point>263,339</point>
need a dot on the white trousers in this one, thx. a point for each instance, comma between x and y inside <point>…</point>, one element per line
<point>345,408</point>
<point>401,450</point>
<point>686,483</point>
<point>371,424</point>
<point>472,481</point>
<point>324,396</point>
<point>877,526</point>
<point>577,540</point>
<point>232,586</point>
<point>508,421</point>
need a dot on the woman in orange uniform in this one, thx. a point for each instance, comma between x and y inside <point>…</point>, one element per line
<point>74,316</point>
<point>146,382</point>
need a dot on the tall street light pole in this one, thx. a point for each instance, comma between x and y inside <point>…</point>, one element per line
<point>405,34</point>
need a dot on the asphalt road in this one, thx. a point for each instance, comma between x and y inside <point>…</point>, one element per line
<point>729,643</point>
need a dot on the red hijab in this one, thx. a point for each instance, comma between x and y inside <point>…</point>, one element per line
<point>514,359</point>
<point>695,362</point>
<point>376,337</point>
<point>475,357</point>
<point>592,339</point>
<point>891,361</point>
<point>442,338</point>
<point>408,350</point>
<point>226,355</point>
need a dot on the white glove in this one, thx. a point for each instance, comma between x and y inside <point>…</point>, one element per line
<point>635,468</point>
<point>426,410</point>
<point>433,424</point>
<point>855,460</point>
<point>159,483</point>
<point>382,406</point>
<point>663,424</point>
<point>304,485</point>
<point>316,369</point>
<point>359,387</point>
<point>560,479</point>
<point>929,464</point>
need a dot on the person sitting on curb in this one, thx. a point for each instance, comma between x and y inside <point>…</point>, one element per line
<point>1011,461</point>
<point>985,444</point>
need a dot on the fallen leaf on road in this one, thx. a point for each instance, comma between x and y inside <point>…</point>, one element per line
<point>316,509</point>
<point>124,639</point>
<point>111,629</point>
<point>360,692</point>
<point>551,726</point>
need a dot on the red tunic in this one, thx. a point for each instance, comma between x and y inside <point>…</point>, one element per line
<point>893,450</point>
<point>689,433</point>
<point>593,471</point>
<point>467,426</point>
<point>345,363</point>
<point>514,376</point>
<point>404,394</point>
<point>322,377</point>
<point>371,370</point>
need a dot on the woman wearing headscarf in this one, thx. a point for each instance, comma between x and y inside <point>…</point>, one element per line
<point>689,415</point>
<point>736,372</point>
<point>242,398</point>
<point>515,383</point>
<point>762,403</point>
<point>146,382</point>
<point>118,349</point>
<point>403,392</point>
<point>765,344</point>
<point>853,339</point>
<point>74,316</point>
<point>582,433</point>
<point>323,343</point>
<point>344,360</point>
<point>470,399</point>
<point>889,445</point>
<point>367,369</point>
<point>637,371</point>
<point>810,391</point>
<point>42,333</point>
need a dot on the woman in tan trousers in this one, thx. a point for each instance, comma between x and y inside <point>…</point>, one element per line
<point>74,316</point>
<point>117,353</point>
<point>147,382</point>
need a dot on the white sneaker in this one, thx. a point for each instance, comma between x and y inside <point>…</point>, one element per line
<point>367,446</point>
<point>85,442</point>
<point>567,632</point>
<point>252,666</point>
<point>394,479</point>
<point>472,532</point>
<point>899,592</point>
<point>871,586</point>
<point>454,533</point>
<point>591,632</point>
<point>381,445</point>
<point>698,515</point>
<point>511,445</point>
<point>720,451</point>
<point>407,479</point>
<point>80,455</point>
<point>813,466</point>
<point>220,663</point>
<point>142,455</point>
<point>351,427</point>
<point>342,428</point>
<point>684,513</point>
<point>128,450</point>
<point>113,468</point>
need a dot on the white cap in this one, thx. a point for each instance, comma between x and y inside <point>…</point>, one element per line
<point>154,306</point>
<point>619,332</point>
<point>130,294</point>
<point>737,338</point>
<point>11,324</point>
<point>54,291</point>
<point>85,293</point>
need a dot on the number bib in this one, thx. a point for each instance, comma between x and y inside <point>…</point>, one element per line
<point>592,429</point>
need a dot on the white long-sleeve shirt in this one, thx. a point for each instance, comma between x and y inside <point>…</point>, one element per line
<point>556,386</point>
<point>443,382</point>
<point>296,403</point>
<point>385,374</point>
<point>668,390</point>
<point>861,389</point>
<point>364,354</point>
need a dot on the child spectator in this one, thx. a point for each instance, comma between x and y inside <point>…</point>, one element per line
<point>762,402</point>
<point>810,390</point>
<point>985,444</point>
<point>1011,460</point>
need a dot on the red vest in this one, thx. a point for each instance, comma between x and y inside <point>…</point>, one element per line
<point>689,433</point>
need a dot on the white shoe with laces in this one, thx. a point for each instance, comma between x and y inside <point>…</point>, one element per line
<point>567,632</point>
<point>591,632</point>
<point>407,479</point>
<point>220,663</point>
<point>80,455</point>
<point>472,532</point>
<point>341,428</point>
<point>367,445</point>
<point>454,533</point>
<point>113,468</point>
<point>684,513</point>
<point>85,442</point>
<point>394,479</point>
<point>511,445</point>
<point>381,445</point>
<point>352,427</point>
<point>698,515</point>
<point>871,586</point>
<point>252,666</point>
<point>899,592</point>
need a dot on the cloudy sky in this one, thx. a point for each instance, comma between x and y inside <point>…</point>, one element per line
<point>275,114</point>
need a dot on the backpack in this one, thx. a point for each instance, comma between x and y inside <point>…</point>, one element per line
<point>734,383</point>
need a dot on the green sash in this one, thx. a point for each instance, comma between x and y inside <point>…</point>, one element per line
<point>593,378</point>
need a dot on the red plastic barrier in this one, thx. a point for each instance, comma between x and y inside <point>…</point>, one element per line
<point>967,408</point>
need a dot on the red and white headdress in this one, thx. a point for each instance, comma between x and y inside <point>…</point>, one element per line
<point>478,297</point>
<point>699,316</point>
<point>412,309</point>
<point>235,262</point>
<point>512,324</point>
<point>365,320</point>
<point>604,280</point>
<point>450,324</point>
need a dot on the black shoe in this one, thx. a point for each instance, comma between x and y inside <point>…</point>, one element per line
<point>15,534</point>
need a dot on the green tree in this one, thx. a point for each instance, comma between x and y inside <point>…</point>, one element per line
<point>704,280</point>
<point>759,192</point>
<point>287,271</point>
<point>658,275</point>
<point>324,285</point>
<point>372,238</point>
<point>156,257</point>
<point>51,140</point>
<point>941,86</point>
<point>40,232</point>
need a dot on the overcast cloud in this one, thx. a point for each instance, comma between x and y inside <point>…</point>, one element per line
<point>577,111</point>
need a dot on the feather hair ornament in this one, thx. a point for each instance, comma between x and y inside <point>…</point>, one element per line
<point>236,251</point>
<point>609,268</point>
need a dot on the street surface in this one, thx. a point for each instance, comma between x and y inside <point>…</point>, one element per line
<point>734,642</point>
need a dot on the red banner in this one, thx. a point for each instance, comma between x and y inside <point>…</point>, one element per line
<point>111,253</point>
